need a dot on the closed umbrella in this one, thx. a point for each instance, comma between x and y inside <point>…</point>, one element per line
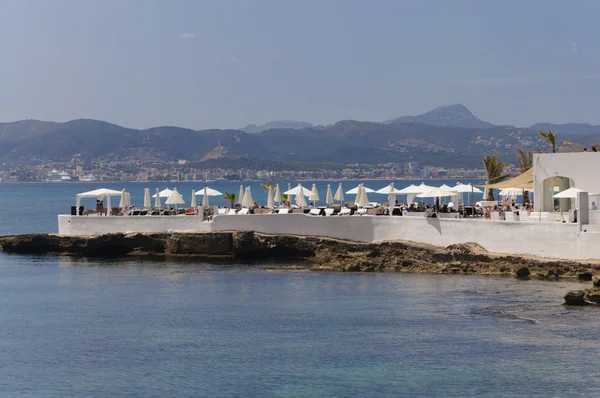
<point>247,201</point>
<point>314,194</point>
<point>363,200</point>
<point>277,197</point>
<point>329,196</point>
<point>300,198</point>
<point>175,199</point>
<point>205,196</point>
<point>339,194</point>
<point>193,201</point>
<point>241,194</point>
<point>147,200</point>
<point>391,198</point>
<point>270,199</point>
<point>157,200</point>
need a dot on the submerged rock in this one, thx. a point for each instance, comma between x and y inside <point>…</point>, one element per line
<point>523,272</point>
<point>575,297</point>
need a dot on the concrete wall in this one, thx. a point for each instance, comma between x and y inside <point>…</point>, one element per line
<point>514,237</point>
<point>556,240</point>
<point>98,225</point>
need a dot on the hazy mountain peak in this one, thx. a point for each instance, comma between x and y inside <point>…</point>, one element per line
<point>276,124</point>
<point>456,115</point>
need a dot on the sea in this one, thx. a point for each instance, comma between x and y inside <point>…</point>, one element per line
<point>181,327</point>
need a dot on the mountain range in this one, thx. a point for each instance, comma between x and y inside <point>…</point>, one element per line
<point>449,136</point>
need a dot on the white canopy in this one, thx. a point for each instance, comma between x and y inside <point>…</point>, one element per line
<point>175,198</point>
<point>462,188</point>
<point>339,194</point>
<point>389,189</point>
<point>411,189</point>
<point>165,193</point>
<point>354,190</point>
<point>570,193</point>
<point>445,187</point>
<point>300,199</point>
<point>209,191</point>
<point>298,189</point>
<point>435,193</point>
<point>329,196</point>
<point>98,194</point>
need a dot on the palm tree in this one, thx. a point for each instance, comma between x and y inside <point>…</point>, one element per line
<point>550,137</point>
<point>525,160</point>
<point>230,197</point>
<point>494,170</point>
<point>267,185</point>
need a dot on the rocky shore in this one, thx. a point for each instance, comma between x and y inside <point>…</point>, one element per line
<point>324,254</point>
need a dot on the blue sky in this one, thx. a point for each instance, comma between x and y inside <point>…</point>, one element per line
<point>224,64</point>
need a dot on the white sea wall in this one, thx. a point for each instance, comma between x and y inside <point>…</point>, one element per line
<point>557,240</point>
<point>99,225</point>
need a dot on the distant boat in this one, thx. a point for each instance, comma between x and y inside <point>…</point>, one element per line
<point>55,176</point>
<point>88,178</point>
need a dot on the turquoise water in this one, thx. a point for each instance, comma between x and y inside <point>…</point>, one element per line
<point>28,208</point>
<point>72,327</point>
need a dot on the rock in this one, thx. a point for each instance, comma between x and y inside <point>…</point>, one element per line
<point>596,281</point>
<point>523,272</point>
<point>575,297</point>
<point>592,296</point>
<point>585,276</point>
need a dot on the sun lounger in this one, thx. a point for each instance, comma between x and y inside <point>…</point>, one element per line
<point>222,211</point>
<point>283,211</point>
<point>345,211</point>
<point>328,212</point>
<point>243,211</point>
<point>315,212</point>
<point>360,212</point>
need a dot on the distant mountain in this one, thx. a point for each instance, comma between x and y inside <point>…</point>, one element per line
<point>276,124</point>
<point>456,115</point>
<point>567,128</point>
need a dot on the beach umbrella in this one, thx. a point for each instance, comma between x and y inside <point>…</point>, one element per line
<point>389,189</point>
<point>157,200</point>
<point>339,194</point>
<point>570,193</point>
<point>363,200</point>
<point>270,199</point>
<point>209,191</point>
<point>468,188</point>
<point>354,190</point>
<point>193,201</point>
<point>241,194</point>
<point>391,198</point>
<point>123,202</point>
<point>314,194</point>
<point>300,198</point>
<point>147,200</point>
<point>175,199</point>
<point>205,199</point>
<point>512,192</point>
<point>299,190</point>
<point>165,193</point>
<point>247,201</point>
<point>329,196</point>
<point>277,197</point>
<point>289,195</point>
<point>435,193</point>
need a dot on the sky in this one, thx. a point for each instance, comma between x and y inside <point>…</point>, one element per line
<point>228,63</point>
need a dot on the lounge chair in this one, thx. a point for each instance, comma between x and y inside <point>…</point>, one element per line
<point>222,211</point>
<point>315,212</point>
<point>360,212</point>
<point>283,211</point>
<point>345,211</point>
<point>329,212</point>
<point>243,211</point>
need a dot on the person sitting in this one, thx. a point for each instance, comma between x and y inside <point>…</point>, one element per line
<point>594,207</point>
<point>237,205</point>
<point>412,207</point>
<point>311,205</point>
<point>131,211</point>
<point>495,209</point>
<point>254,206</point>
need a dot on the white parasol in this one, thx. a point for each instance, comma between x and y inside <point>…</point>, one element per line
<point>329,196</point>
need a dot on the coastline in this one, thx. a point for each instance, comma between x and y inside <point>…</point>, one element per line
<point>321,254</point>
